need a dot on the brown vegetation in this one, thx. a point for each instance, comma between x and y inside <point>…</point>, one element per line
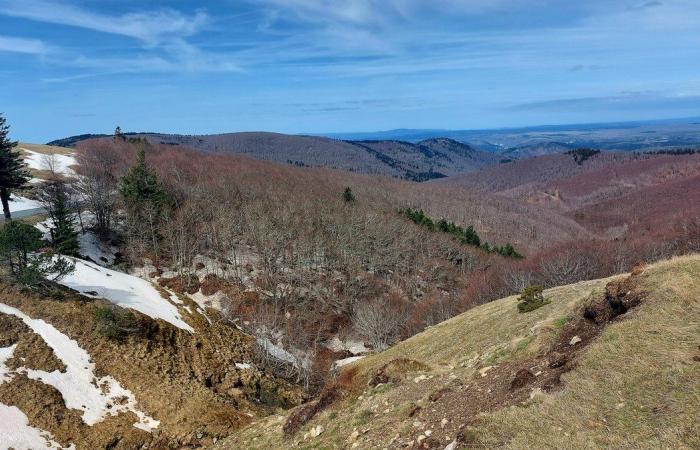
<point>320,265</point>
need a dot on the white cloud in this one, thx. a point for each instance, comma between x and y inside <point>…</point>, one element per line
<point>162,32</point>
<point>21,45</point>
<point>150,27</point>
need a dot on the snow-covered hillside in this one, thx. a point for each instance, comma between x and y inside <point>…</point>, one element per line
<point>124,290</point>
<point>42,161</point>
<point>18,204</point>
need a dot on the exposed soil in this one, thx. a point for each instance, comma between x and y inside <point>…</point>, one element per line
<point>187,381</point>
<point>31,352</point>
<point>331,393</point>
<point>213,284</point>
<point>453,408</point>
<point>181,284</point>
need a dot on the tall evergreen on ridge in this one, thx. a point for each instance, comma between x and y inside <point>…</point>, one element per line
<point>13,172</point>
<point>55,195</point>
<point>140,184</point>
<point>146,202</point>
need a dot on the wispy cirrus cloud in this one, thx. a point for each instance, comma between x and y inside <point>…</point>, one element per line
<point>22,45</point>
<point>151,27</point>
<point>624,100</point>
<point>162,33</point>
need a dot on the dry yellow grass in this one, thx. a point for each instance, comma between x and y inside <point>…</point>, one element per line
<point>635,386</point>
<point>46,149</point>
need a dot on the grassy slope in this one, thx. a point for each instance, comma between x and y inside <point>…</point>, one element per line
<point>635,386</point>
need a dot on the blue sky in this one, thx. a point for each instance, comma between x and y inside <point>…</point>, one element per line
<point>311,66</point>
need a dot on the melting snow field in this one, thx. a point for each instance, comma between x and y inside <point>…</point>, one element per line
<point>124,290</point>
<point>81,390</point>
<point>96,250</point>
<point>41,161</point>
<point>16,433</point>
<point>22,204</point>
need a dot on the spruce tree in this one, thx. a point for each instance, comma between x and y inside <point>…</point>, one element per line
<point>13,172</point>
<point>55,196</point>
<point>141,185</point>
<point>20,254</point>
<point>145,202</point>
<point>348,196</point>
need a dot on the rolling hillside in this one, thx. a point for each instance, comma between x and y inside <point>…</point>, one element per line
<point>610,363</point>
<point>609,194</point>
<point>431,158</point>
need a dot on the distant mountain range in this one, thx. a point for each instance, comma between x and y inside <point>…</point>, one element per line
<point>636,135</point>
<point>420,161</point>
<point>422,155</point>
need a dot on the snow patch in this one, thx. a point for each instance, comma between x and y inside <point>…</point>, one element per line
<point>98,251</point>
<point>278,352</point>
<point>16,433</point>
<point>43,161</point>
<point>18,203</point>
<point>242,366</point>
<point>81,390</point>
<point>208,301</point>
<point>124,290</point>
<point>45,227</point>
<point>354,347</point>
<point>344,362</point>
<point>5,354</point>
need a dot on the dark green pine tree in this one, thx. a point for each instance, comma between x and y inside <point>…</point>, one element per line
<point>13,172</point>
<point>348,196</point>
<point>64,235</point>
<point>141,185</point>
<point>471,237</point>
<point>55,196</point>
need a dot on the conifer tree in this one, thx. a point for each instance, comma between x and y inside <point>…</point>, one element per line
<point>13,172</point>
<point>55,196</point>
<point>141,185</point>
<point>20,254</point>
<point>145,202</point>
<point>348,196</point>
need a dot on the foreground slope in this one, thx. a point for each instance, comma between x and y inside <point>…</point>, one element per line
<point>81,372</point>
<point>571,374</point>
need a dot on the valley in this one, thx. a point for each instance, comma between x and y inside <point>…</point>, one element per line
<point>263,286</point>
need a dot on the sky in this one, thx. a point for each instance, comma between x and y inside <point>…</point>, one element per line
<point>319,66</point>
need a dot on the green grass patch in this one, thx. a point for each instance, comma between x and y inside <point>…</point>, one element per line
<point>560,322</point>
<point>363,417</point>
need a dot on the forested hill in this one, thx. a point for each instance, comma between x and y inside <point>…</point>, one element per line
<point>428,159</point>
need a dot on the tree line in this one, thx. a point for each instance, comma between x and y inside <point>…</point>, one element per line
<point>465,235</point>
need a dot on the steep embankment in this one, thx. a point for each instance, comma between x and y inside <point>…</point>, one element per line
<point>80,371</point>
<point>611,363</point>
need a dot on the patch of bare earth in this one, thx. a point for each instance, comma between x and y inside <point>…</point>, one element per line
<point>187,381</point>
<point>454,407</point>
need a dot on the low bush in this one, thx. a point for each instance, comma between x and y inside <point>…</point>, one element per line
<point>531,298</point>
<point>115,323</point>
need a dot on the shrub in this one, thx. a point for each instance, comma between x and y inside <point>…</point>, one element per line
<point>20,254</point>
<point>531,298</point>
<point>115,323</point>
